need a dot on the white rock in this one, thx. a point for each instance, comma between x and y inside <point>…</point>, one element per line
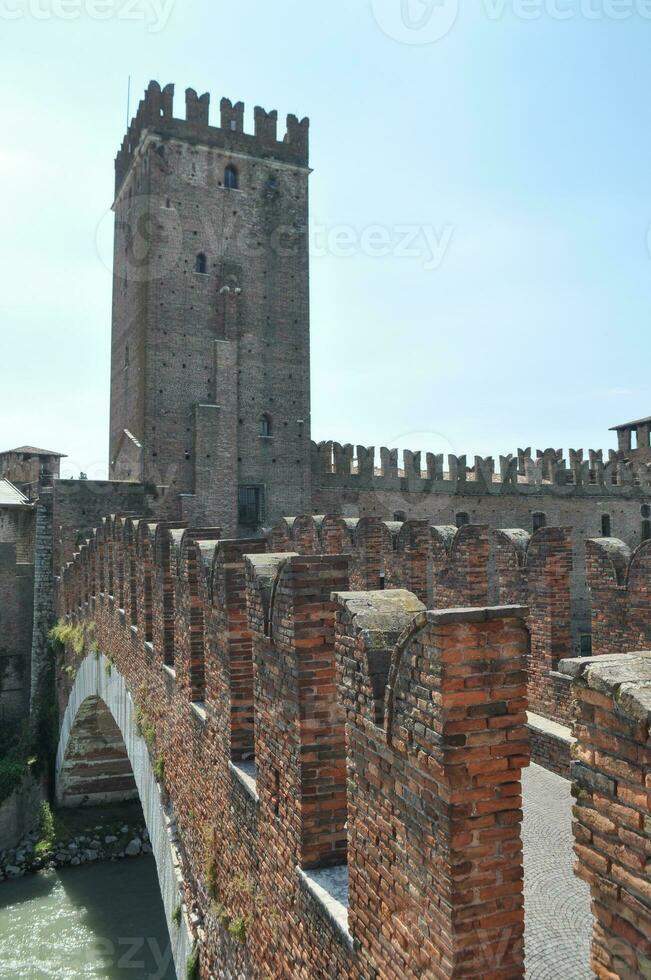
<point>133,848</point>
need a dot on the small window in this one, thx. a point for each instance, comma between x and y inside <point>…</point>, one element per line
<point>646,530</point>
<point>585,642</point>
<point>231,178</point>
<point>201,264</point>
<point>605,525</point>
<point>400,515</point>
<point>645,511</point>
<point>538,520</point>
<point>265,426</point>
<point>250,506</point>
<point>462,519</point>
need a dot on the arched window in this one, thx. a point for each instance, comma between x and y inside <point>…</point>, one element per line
<point>265,425</point>
<point>538,520</point>
<point>201,264</point>
<point>605,525</point>
<point>462,519</point>
<point>231,178</point>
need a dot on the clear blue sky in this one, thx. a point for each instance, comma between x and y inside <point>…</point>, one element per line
<point>522,146</point>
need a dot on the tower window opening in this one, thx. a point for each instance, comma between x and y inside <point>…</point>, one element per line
<point>538,520</point>
<point>462,519</point>
<point>201,264</point>
<point>605,525</point>
<point>231,178</point>
<point>265,426</point>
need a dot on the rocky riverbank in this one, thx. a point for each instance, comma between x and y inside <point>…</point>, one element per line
<point>106,841</point>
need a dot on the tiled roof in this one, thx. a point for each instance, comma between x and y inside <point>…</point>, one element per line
<point>631,425</point>
<point>33,451</point>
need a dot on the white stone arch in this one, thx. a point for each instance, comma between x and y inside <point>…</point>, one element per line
<point>98,678</point>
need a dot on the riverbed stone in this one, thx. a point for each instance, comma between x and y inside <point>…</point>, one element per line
<point>133,848</point>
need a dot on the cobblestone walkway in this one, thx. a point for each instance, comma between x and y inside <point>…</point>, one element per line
<point>558,923</point>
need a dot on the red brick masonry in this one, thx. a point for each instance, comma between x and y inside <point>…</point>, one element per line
<point>612,787</point>
<point>300,726</point>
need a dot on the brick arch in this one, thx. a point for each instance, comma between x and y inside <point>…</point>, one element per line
<point>305,535</point>
<point>99,726</point>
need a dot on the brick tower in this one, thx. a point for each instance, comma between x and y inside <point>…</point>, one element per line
<point>210,383</point>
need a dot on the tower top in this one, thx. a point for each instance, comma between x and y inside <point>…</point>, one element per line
<point>156,113</point>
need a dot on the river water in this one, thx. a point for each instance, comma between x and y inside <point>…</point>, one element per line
<point>102,921</point>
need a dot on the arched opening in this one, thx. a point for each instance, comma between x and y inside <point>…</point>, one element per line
<point>96,768</point>
<point>265,426</point>
<point>231,178</point>
<point>104,756</point>
<point>538,520</point>
<point>201,264</point>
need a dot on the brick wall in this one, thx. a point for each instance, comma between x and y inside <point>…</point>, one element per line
<point>536,570</point>
<point>620,590</point>
<point>252,830</point>
<point>612,788</point>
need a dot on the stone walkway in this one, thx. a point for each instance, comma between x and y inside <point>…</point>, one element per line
<point>558,924</point>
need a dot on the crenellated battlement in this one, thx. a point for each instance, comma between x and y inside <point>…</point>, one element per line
<point>155,113</point>
<point>366,468</point>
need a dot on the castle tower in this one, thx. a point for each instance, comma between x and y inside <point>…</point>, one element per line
<point>210,384</point>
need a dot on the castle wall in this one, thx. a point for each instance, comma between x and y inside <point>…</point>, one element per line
<point>17,590</point>
<point>329,681</point>
<point>80,505</point>
<point>575,494</point>
<point>16,611</point>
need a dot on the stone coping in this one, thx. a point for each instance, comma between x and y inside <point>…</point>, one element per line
<point>626,677</point>
<point>549,727</point>
<point>246,772</point>
<point>329,886</point>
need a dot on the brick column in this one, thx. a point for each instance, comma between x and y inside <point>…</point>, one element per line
<point>607,562</point>
<point>434,801</point>
<point>230,677</point>
<point>459,566</point>
<point>612,788</point>
<point>299,731</point>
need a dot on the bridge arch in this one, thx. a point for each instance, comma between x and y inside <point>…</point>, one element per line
<point>100,700</point>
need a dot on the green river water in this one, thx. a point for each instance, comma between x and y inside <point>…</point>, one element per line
<point>104,920</point>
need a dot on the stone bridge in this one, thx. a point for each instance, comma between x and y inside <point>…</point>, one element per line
<point>332,780</point>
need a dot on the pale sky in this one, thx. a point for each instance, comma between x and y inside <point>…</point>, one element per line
<point>481,202</point>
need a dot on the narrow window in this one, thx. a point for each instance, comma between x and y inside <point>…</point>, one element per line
<point>400,515</point>
<point>265,425</point>
<point>231,179</point>
<point>538,520</point>
<point>250,506</point>
<point>605,525</point>
<point>462,519</point>
<point>201,264</point>
<point>586,645</point>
